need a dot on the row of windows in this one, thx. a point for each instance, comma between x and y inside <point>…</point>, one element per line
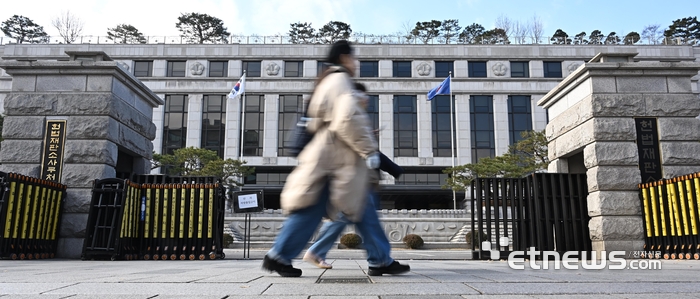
<point>405,133</point>
<point>476,69</point>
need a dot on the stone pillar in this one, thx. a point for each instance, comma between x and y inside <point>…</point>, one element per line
<point>593,110</point>
<point>107,111</point>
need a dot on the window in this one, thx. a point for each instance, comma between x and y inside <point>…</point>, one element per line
<point>218,68</point>
<point>519,69</point>
<point>519,117</point>
<point>443,69</point>
<point>373,113</point>
<point>552,69</point>
<point>441,126</point>
<point>402,69</point>
<point>422,178</point>
<point>293,68</point>
<point>482,132</point>
<point>143,68</point>
<point>321,67</point>
<point>369,68</point>
<point>405,126</point>
<point>174,123</point>
<point>214,123</point>
<point>477,69</point>
<point>252,68</point>
<point>176,68</point>
<point>290,110</point>
<point>254,125</point>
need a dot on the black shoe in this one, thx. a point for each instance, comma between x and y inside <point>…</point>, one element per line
<point>281,269</point>
<point>393,268</point>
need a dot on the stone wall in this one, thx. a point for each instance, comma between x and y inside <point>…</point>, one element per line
<point>592,111</point>
<point>106,110</point>
<point>437,226</point>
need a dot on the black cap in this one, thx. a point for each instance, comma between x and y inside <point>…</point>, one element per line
<point>340,47</point>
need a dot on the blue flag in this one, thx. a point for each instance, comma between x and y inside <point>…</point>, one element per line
<point>443,88</point>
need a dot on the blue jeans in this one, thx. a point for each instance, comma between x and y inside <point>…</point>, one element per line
<point>375,241</point>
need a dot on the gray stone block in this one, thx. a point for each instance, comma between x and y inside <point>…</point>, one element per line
<point>21,151</point>
<point>92,127</point>
<point>73,225</point>
<point>617,228</point>
<point>680,153</point>
<point>85,103</point>
<point>61,83</point>
<point>99,83</point>
<point>672,105</point>
<point>679,85</point>
<point>32,170</point>
<point>24,127</point>
<point>91,151</point>
<point>672,171</point>
<point>134,119</point>
<point>609,178</point>
<point>24,83</point>
<point>614,203</point>
<point>611,153</point>
<point>614,129</point>
<point>614,245</point>
<point>82,175</point>
<point>617,105</point>
<point>69,248</point>
<point>603,85</point>
<point>30,104</point>
<point>134,141</point>
<point>641,84</point>
<point>77,200</point>
<point>673,128</point>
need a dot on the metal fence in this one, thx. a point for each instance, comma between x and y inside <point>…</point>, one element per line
<point>156,220</point>
<point>547,211</point>
<point>30,216</point>
<point>364,39</point>
<point>672,217</point>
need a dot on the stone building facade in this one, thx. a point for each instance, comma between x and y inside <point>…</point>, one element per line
<point>495,88</point>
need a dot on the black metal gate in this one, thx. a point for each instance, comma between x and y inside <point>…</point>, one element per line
<point>156,220</point>
<point>30,216</point>
<point>547,211</point>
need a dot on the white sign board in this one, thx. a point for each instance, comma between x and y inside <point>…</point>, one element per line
<point>247,201</point>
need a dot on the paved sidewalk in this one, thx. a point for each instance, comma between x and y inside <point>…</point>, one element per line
<point>434,274</point>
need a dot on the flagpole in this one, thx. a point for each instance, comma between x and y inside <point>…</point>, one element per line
<point>452,141</point>
<point>240,157</point>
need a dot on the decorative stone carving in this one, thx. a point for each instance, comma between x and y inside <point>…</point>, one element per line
<point>424,69</point>
<point>272,69</point>
<point>499,69</point>
<point>572,67</point>
<point>197,69</point>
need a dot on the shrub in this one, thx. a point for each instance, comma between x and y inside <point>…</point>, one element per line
<point>479,236</point>
<point>228,239</point>
<point>413,241</point>
<point>351,240</point>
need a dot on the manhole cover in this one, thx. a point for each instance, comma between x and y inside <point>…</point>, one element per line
<point>344,280</point>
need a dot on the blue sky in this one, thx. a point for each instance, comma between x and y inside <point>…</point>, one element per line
<point>269,17</point>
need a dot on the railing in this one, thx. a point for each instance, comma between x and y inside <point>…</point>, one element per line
<point>361,39</point>
<point>671,211</point>
<point>160,220</point>
<point>30,216</point>
<point>547,211</point>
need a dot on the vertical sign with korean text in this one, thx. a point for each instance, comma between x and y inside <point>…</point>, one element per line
<point>648,148</point>
<point>52,154</point>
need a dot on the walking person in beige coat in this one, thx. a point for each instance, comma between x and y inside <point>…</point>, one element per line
<point>336,161</point>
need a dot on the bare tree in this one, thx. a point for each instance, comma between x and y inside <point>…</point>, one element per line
<point>69,26</point>
<point>536,28</point>
<point>652,33</point>
<point>407,32</point>
<point>520,31</point>
<point>505,23</point>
